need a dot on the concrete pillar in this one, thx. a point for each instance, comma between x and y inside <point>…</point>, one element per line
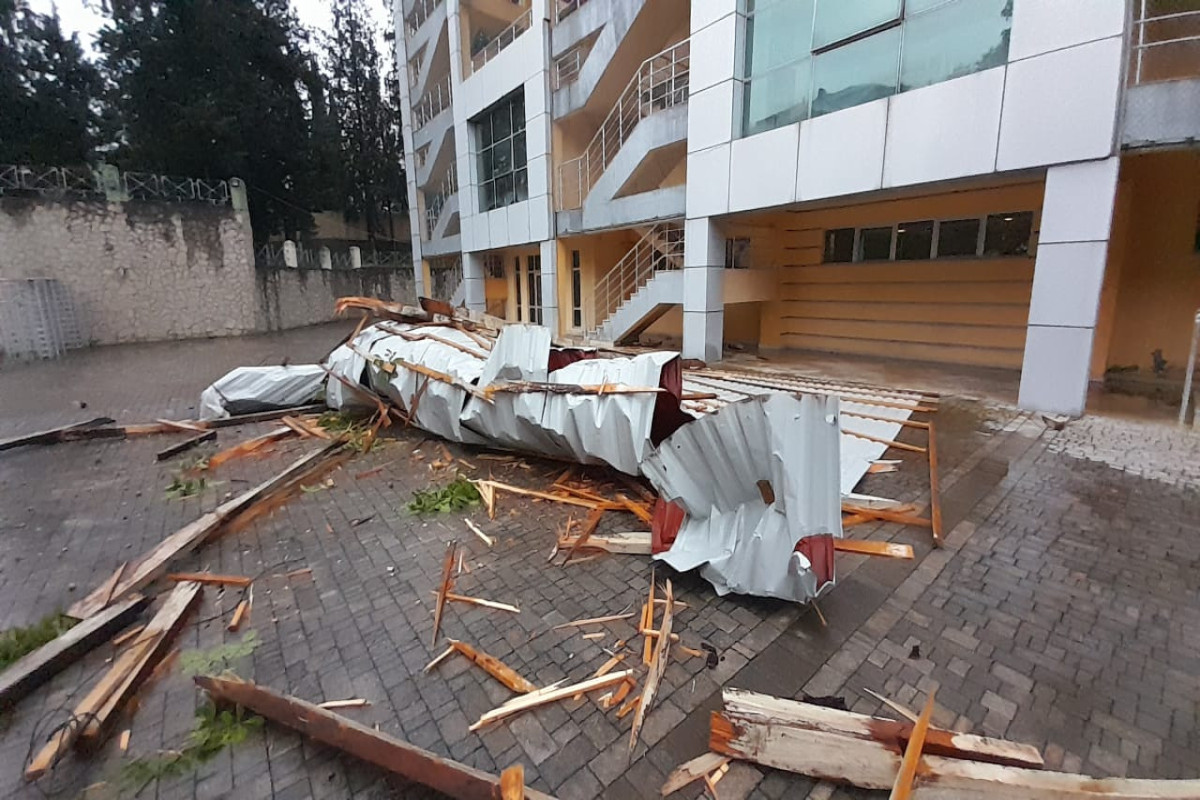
<point>237,195</point>
<point>326,258</point>
<point>1072,250</point>
<point>355,257</point>
<point>703,290</point>
<point>109,178</point>
<point>473,282</point>
<point>290,259</point>
<point>549,254</point>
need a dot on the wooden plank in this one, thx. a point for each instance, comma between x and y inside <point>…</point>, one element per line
<point>935,492</point>
<point>886,515</point>
<point>658,666</point>
<point>579,623</point>
<point>494,667</point>
<point>109,586</point>
<point>535,699</point>
<point>742,705</point>
<point>186,444</point>
<point>443,589</point>
<point>512,783</point>
<point>637,543</point>
<point>375,747</point>
<point>866,547</point>
<point>91,429</point>
<point>589,527</point>
<point>572,501</point>
<point>476,601</point>
<point>249,446</point>
<point>488,540</point>
<point>902,788</point>
<point>211,578</point>
<point>126,635</point>
<point>263,416</point>
<point>154,562</point>
<point>637,509</point>
<point>893,705</point>
<point>912,448</point>
<point>239,615</point>
<point>35,668</point>
<point>691,771</point>
<point>182,425</point>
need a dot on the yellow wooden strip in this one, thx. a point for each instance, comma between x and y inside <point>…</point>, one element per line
<point>889,549</point>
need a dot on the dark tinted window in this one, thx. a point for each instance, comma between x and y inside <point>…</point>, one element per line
<point>875,244</point>
<point>958,238</point>
<point>1008,234</point>
<point>839,245</point>
<point>914,240</point>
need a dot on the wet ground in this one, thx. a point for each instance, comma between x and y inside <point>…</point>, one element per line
<point>1062,612</point>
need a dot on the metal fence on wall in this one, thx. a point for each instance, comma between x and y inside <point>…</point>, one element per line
<point>38,319</point>
<point>86,183</point>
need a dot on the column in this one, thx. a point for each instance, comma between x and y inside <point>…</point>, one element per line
<point>703,290</point>
<point>474,290</point>
<point>1076,224</point>
<point>549,253</point>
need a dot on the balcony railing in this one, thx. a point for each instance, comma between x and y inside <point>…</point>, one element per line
<point>436,99</point>
<point>660,249</point>
<point>502,40</point>
<point>567,66</point>
<point>1165,46</point>
<point>661,82</point>
<point>565,8</point>
<point>437,202</point>
<point>416,18</point>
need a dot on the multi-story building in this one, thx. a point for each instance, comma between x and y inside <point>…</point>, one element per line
<point>1005,183</point>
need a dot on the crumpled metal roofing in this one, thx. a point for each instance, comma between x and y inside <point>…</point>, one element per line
<point>248,389</point>
<point>712,468</point>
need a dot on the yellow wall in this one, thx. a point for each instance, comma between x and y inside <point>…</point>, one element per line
<point>961,311</point>
<point>598,253</point>
<point>1159,284</point>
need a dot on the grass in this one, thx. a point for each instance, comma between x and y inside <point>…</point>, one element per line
<point>454,496</point>
<point>17,642</point>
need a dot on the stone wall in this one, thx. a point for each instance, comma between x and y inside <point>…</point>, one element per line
<point>148,271</point>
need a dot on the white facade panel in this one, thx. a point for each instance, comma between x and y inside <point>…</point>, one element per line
<point>518,222</point>
<point>710,116</point>
<point>762,169</point>
<point>1054,375</point>
<point>539,219</point>
<point>947,130</point>
<point>842,153</point>
<point>703,290</point>
<point>714,54</point>
<point>1041,26</point>
<point>708,181</point>
<point>497,220</point>
<point>1081,199</point>
<point>707,12</point>
<point>1067,283</point>
<point>1061,106</point>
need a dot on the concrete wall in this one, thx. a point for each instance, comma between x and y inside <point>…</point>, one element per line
<point>140,271</point>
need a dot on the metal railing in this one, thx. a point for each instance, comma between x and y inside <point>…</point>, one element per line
<point>1190,374</point>
<point>567,66</point>
<point>422,11</point>
<point>437,98</point>
<point>660,249</point>
<point>436,202</point>
<point>1166,46</point>
<point>661,82</point>
<point>502,40</point>
<point>271,256</point>
<point>90,184</point>
<point>565,8</point>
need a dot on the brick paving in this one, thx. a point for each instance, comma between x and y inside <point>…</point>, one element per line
<point>1063,610</point>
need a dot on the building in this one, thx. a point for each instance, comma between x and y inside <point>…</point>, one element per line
<point>1005,183</point>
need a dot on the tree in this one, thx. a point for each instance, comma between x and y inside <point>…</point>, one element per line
<point>49,92</point>
<point>366,109</point>
<point>216,88</point>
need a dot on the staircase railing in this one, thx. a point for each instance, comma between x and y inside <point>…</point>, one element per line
<point>565,8</point>
<point>435,100</point>
<point>437,202</point>
<point>422,11</point>
<point>502,40</point>
<point>661,82</point>
<point>660,249</point>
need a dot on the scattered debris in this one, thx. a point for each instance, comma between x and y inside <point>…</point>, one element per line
<point>356,702</point>
<point>658,663</point>
<point>549,695</point>
<point>443,588</point>
<point>186,444</point>
<point>212,732</point>
<point>579,623</point>
<point>488,540</point>
<point>455,496</point>
<point>240,581</point>
<point>490,664</point>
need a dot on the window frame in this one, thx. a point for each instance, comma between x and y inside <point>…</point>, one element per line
<point>576,291</point>
<point>501,189</point>
<point>980,240</point>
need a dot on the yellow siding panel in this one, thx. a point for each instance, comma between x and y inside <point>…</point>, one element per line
<point>1008,269</point>
<point>978,356</point>
<point>925,333</point>
<point>1014,315</point>
<point>992,293</point>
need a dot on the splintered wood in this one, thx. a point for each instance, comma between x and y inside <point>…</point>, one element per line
<point>443,588</point>
<point>658,664</point>
<point>542,697</point>
<point>490,664</point>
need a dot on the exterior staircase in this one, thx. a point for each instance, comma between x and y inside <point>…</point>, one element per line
<point>641,287</point>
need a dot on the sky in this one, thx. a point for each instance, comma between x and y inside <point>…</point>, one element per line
<point>83,16</point>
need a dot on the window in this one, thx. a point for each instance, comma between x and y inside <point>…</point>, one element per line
<point>914,241</point>
<point>805,58</point>
<point>576,291</point>
<point>875,244</point>
<point>839,245</point>
<point>1008,234</point>
<point>736,253</point>
<point>958,238</point>
<point>503,175</point>
<point>517,280</point>
<point>533,270</point>
<point>493,265</point>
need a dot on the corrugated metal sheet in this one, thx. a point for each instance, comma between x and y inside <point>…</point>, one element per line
<point>247,389</point>
<point>712,468</point>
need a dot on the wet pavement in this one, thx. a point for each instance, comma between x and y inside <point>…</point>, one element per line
<point>1063,610</point>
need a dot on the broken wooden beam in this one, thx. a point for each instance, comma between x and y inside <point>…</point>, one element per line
<point>634,543</point>
<point>248,446</point>
<point>935,492</point>
<point>691,771</point>
<point>542,697</point>
<point>870,548</point>
<point>903,786</point>
<point>658,665</point>
<point>912,448</point>
<point>886,515</point>
<point>91,429</point>
<point>477,601</point>
<point>589,527</point>
<point>555,498</point>
<point>186,444</point>
<point>579,623</point>
<point>375,747</point>
<point>35,668</point>
<point>211,578</point>
<point>494,667</point>
<point>443,588</point>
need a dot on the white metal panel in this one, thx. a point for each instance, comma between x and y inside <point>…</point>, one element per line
<point>498,227</point>
<point>1078,203</point>
<point>708,190</point>
<point>716,46</point>
<point>1067,280</point>
<point>947,130</point>
<point>842,153</point>
<point>1040,26</point>
<point>261,387</point>
<point>706,12</point>
<point>1054,375</point>
<point>710,117</point>
<point>1061,106</point>
<point>518,222</point>
<point>762,169</point>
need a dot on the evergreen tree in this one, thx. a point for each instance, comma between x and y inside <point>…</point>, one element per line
<point>49,92</point>
<point>216,88</point>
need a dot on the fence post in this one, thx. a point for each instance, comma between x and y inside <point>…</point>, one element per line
<point>326,258</point>
<point>237,195</point>
<point>289,255</point>
<point>108,177</point>
<point>355,258</point>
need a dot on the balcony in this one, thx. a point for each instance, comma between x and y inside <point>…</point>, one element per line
<point>501,41</point>
<point>1162,101</point>
<point>436,100</point>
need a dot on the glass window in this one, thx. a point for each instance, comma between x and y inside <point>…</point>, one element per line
<point>777,98</point>
<point>502,155</point>
<point>914,241</point>
<point>953,39</point>
<point>1008,234</point>
<point>533,269</point>
<point>778,33</point>
<point>875,244</point>
<point>736,253</point>
<point>857,73</point>
<point>958,238</point>
<point>517,281</point>
<point>839,245</point>
<point>576,291</point>
<point>838,19</point>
